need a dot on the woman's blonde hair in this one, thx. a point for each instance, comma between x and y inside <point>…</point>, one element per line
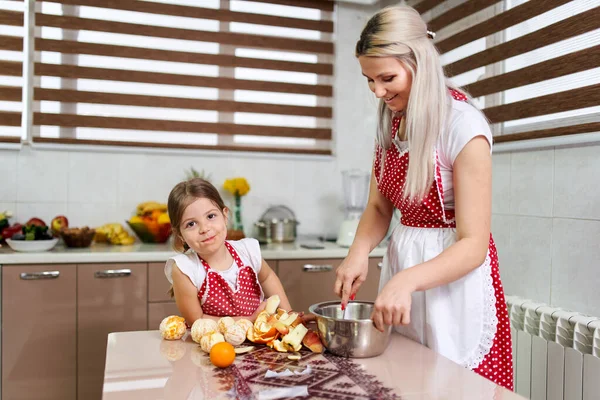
<point>400,32</point>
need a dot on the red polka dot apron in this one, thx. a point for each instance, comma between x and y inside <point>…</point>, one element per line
<point>219,299</point>
<point>466,320</point>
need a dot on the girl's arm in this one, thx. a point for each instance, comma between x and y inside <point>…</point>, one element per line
<point>271,285</point>
<point>373,226</point>
<point>473,193</point>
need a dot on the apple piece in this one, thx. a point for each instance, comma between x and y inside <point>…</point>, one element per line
<point>272,304</point>
<point>289,320</point>
<point>294,357</point>
<point>293,340</point>
<point>279,346</point>
<point>280,312</point>
<point>244,349</point>
<point>313,342</point>
<point>281,328</point>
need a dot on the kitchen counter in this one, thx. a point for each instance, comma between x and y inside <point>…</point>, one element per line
<point>143,252</point>
<point>140,365</point>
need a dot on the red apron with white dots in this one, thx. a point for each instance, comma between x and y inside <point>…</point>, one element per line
<point>219,299</point>
<point>466,320</point>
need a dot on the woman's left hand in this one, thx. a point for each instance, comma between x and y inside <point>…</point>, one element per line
<point>392,306</point>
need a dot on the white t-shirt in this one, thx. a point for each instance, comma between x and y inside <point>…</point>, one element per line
<point>189,263</point>
<point>466,123</point>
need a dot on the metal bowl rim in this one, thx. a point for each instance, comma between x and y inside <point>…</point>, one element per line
<point>312,308</point>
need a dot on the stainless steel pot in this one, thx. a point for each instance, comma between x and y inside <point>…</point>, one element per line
<point>354,337</point>
<point>277,225</point>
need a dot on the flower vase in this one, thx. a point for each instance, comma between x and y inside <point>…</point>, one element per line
<point>237,231</point>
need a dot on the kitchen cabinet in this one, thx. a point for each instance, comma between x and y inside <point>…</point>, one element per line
<point>39,332</point>
<point>160,303</point>
<point>311,281</point>
<point>110,298</point>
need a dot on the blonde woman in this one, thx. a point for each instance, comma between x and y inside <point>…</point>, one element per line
<point>440,285</point>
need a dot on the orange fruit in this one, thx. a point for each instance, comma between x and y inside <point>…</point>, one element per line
<point>222,354</point>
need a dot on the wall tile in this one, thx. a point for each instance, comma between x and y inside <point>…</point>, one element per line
<point>531,181</point>
<point>501,234</point>
<point>93,177</point>
<point>576,258</point>
<point>526,272</point>
<point>8,175</point>
<point>576,192</point>
<point>501,183</point>
<point>93,215</point>
<point>42,176</point>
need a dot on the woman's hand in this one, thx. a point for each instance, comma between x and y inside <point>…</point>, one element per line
<point>351,273</point>
<point>392,306</point>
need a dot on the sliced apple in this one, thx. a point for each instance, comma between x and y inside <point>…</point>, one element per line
<point>279,346</point>
<point>281,327</point>
<point>242,350</point>
<point>293,340</point>
<point>272,304</point>
<point>294,357</point>
<point>289,319</point>
<point>313,342</point>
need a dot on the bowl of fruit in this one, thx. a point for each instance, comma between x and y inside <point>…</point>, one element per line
<point>34,237</point>
<point>151,223</point>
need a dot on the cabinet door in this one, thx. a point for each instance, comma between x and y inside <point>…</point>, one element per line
<point>369,289</point>
<point>111,298</point>
<point>307,282</point>
<point>158,311</point>
<point>39,332</point>
<point>158,284</point>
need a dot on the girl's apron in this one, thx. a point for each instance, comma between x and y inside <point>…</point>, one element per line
<point>466,320</point>
<point>219,299</point>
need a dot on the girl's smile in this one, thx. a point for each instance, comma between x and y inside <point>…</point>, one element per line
<point>389,79</point>
<point>204,226</point>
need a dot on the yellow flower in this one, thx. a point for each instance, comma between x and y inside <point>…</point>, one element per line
<point>237,186</point>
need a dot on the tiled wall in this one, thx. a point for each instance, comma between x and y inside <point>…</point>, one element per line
<point>546,221</point>
<point>93,188</point>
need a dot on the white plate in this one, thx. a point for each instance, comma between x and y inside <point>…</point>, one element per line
<point>31,245</point>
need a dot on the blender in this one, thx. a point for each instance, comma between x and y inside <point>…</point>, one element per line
<point>355,184</point>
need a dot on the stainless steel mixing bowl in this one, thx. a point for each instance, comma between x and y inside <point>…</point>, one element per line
<point>355,336</point>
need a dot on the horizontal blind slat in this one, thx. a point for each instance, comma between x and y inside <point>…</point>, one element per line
<point>11,43</point>
<point>265,149</point>
<point>75,72</point>
<point>564,65</point>
<point>78,96</point>
<point>10,118</point>
<point>237,39</point>
<point>109,50</point>
<point>514,16</point>
<point>12,18</point>
<point>545,133</point>
<point>204,13</point>
<point>325,5</point>
<point>459,12</point>
<point>426,5</point>
<point>574,99</point>
<point>88,121</point>
<point>567,28</point>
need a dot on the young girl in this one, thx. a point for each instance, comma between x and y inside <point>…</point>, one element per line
<point>214,277</point>
<point>440,285</point>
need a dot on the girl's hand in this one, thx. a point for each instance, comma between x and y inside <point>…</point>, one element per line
<point>351,273</point>
<point>392,306</point>
<point>260,308</point>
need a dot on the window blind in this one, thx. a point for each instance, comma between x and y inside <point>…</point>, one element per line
<point>216,74</point>
<point>533,66</point>
<point>11,70</point>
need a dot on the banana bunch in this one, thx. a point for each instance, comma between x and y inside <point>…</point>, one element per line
<point>113,233</point>
<point>149,206</point>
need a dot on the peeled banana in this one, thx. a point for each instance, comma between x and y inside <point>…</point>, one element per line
<point>113,233</point>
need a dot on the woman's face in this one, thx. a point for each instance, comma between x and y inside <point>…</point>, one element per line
<point>389,79</point>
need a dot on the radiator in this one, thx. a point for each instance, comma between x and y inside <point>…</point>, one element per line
<point>556,353</point>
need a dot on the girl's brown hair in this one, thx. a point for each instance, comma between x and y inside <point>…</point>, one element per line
<point>184,194</point>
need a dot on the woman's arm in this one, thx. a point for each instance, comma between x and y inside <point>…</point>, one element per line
<point>472,192</point>
<point>271,285</point>
<point>373,226</point>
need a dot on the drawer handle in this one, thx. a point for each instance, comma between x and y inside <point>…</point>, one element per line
<point>112,273</point>
<point>380,264</point>
<point>31,276</point>
<point>317,268</point>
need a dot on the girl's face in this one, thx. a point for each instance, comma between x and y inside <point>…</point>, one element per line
<point>204,226</point>
<point>389,79</point>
